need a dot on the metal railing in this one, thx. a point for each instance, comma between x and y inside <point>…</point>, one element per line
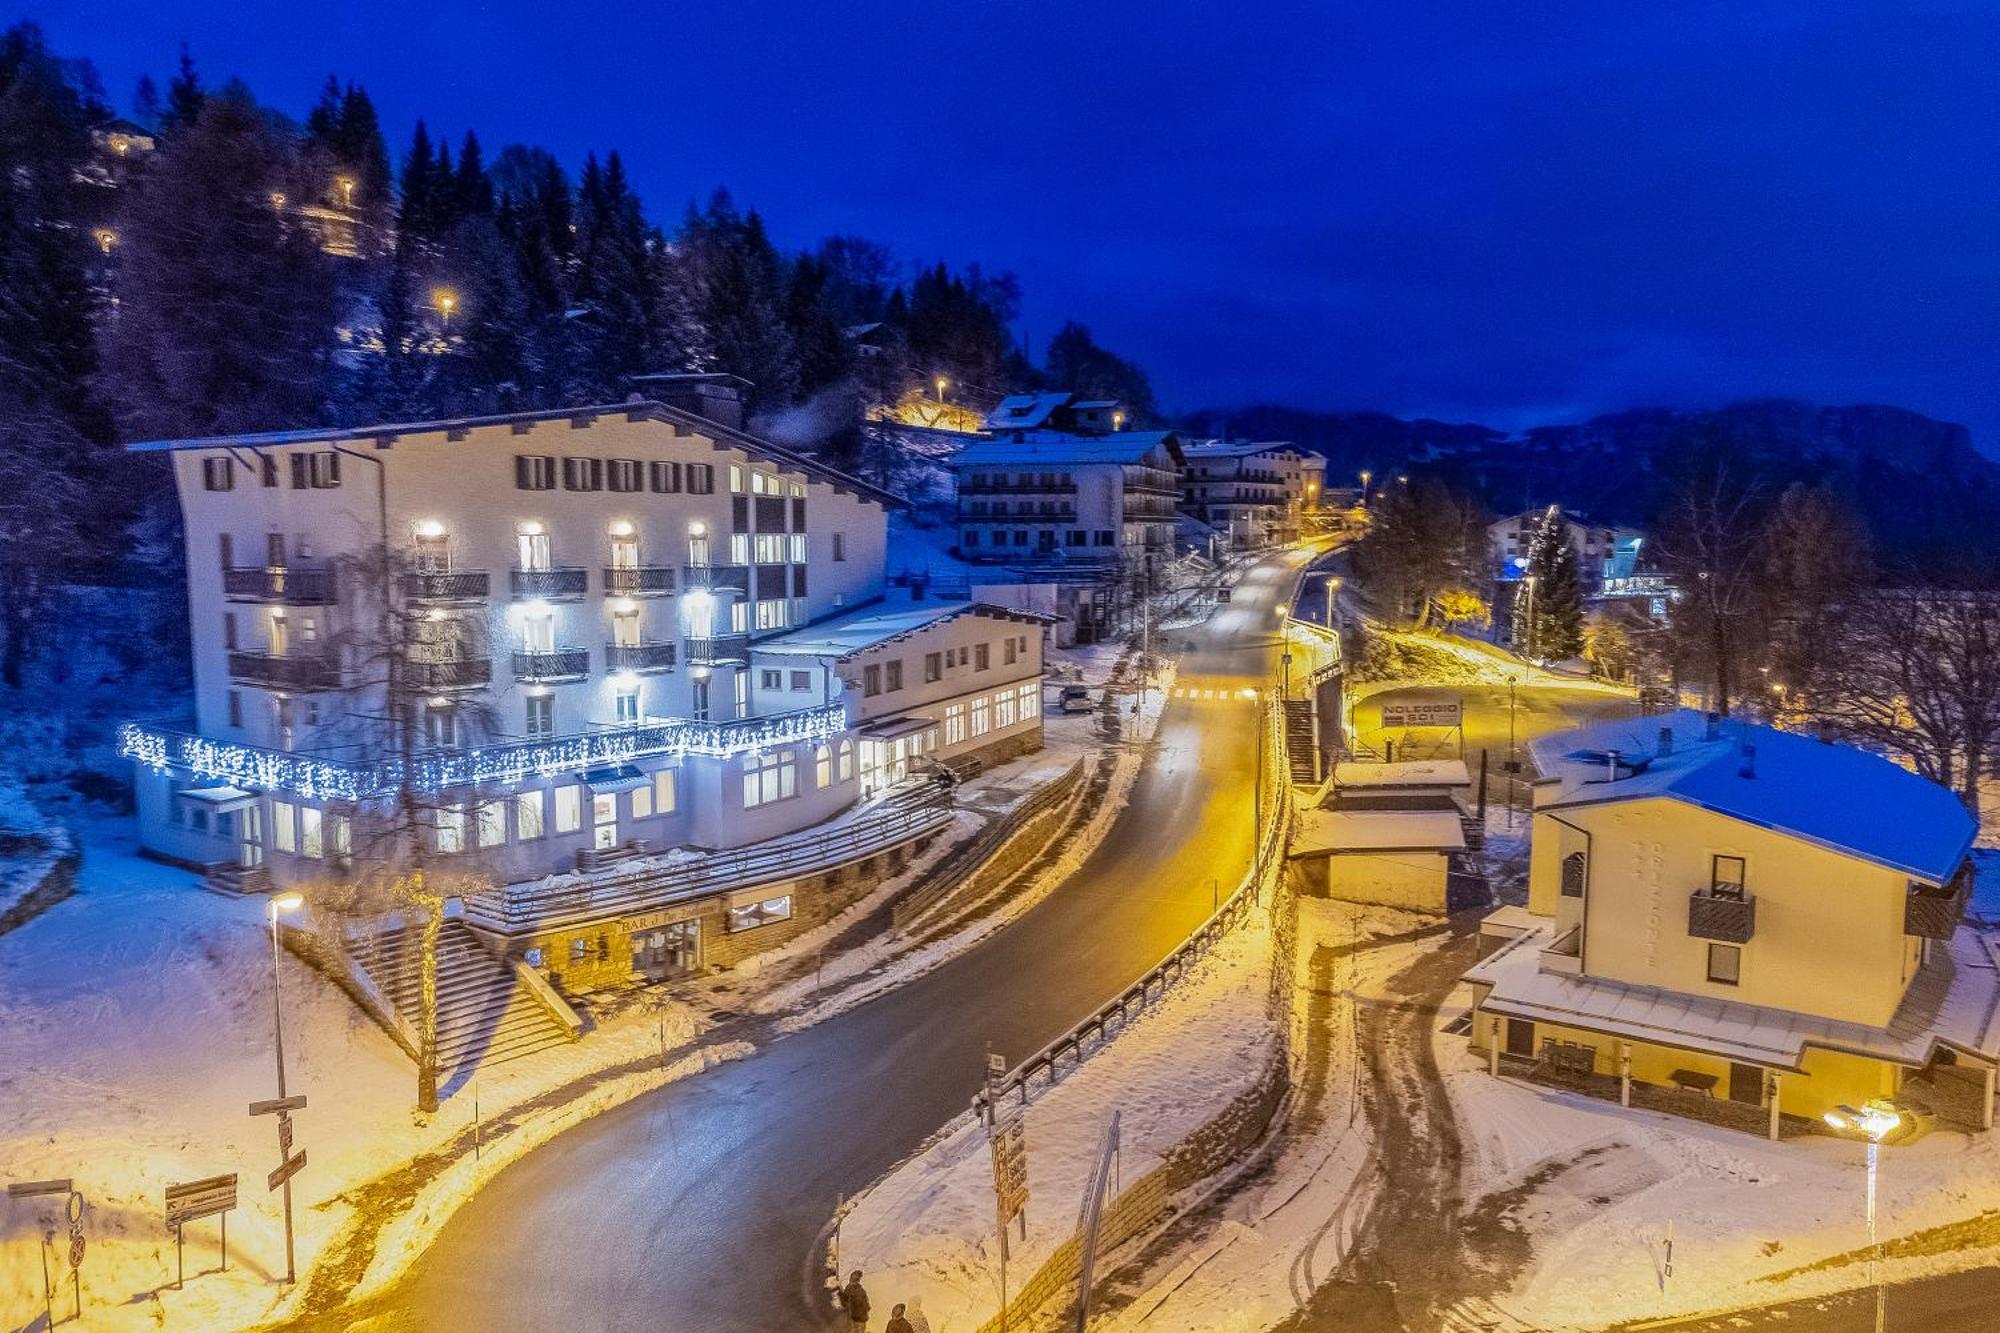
<point>718,578</point>
<point>453,674</point>
<point>570,582</point>
<point>534,905</point>
<point>962,864</point>
<point>302,672</point>
<point>638,580</point>
<point>1715,914</point>
<point>560,664</point>
<point>463,585</point>
<point>1272,841</point>
<point>639,656</point>
<point>315,586</point>
<point>719,651</point>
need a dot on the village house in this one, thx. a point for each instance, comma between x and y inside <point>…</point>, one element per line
<point>1742,922</point>
<point>1604,554</point>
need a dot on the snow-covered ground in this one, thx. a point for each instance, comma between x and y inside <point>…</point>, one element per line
<point>1598,1189</point>
<point>924,1234</point>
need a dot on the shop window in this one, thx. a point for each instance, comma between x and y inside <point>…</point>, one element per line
<point>752,915</point>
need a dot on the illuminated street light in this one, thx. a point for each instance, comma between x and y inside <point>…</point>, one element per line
<point>1366,477</point>
<point>942,384</point>
<point>1875,1120</point>
<point>346,184</point>
<point>1332,595</point>
<point>446,302</point>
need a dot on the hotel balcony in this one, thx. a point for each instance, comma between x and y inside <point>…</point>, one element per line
<point>1730,918</point>
<point>555,665</point>
<point>1564,955</point>
<point>1933,913</point>
<point>293,586</point>
<point>730,649</point>
<point>639,656</point>
<point>550,584</point>
<point>464,585</point>
<point>303,672</point>
<point>638,581</point>
<point>454,674</point>
<point>719,578</point>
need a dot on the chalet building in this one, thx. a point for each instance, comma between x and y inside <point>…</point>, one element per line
<point>1744,923</point>
<point>623,652</point>
<point>1604,554</point>
<point>1254,493</point>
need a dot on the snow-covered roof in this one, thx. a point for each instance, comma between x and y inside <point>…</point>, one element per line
<point>1053,447</point>
<point>1331,832</point>
<point>1235,448</point>
<point>646,410</point>
<point>1836,796</point>
<point>1024,411</point>
<point>1402,773</point>
<point>1954,999</point>
<point>844,636</point>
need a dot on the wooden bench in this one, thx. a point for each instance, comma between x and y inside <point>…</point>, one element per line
<point>1687,1080</point>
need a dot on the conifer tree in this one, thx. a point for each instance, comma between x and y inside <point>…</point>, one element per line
<point>1548,605</point>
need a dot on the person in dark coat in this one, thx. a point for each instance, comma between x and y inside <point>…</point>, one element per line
<point>898,1324</point>
<point>854,1300</point>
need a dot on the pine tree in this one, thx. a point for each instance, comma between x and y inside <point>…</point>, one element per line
<point>185,96</point>
<point>1548,605</point>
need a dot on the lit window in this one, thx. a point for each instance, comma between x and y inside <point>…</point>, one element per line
<point>309,831</point>
<point>492,828</point>
<point>846,755</point>
<point>663,792</point>
<point>569,808</point>
<point>528,815</point>
<point>982,715</point>
<point>770,776</point>
<point>954,723</point>
<point>751,915</point>
<point>450,830</point>
<point>284,833</point>
<point>823,767</point>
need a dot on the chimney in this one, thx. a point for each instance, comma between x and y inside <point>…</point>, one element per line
<point>1714,727</point>
<point>1749,768</point>
<point>718,398</point>
<point>1611,765</point>
<point>1666,741</point>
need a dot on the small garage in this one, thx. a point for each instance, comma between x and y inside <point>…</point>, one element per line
<point>1398,858</point>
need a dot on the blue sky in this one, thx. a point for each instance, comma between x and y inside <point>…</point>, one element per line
<point>1509,213</point>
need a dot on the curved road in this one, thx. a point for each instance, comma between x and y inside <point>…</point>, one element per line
<point>696,1207</point>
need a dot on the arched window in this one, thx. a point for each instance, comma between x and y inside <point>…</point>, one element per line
<point>846,760</point>
<point>823,767</point>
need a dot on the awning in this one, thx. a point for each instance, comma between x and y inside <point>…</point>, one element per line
<point>224,797</point>
<point>623,777</point>
<point>889,728</point>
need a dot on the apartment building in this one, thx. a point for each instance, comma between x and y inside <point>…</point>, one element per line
<point>1254,493</point>
<point>562,608</point>
<point>1604,554</point>
<point>1729,918</point>
<point>1037,496</point>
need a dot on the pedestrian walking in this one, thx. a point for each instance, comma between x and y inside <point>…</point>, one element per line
<point>854,1300</point>
<point>898,1324</point>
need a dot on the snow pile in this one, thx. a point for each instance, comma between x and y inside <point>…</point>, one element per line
<point>924,1233</point>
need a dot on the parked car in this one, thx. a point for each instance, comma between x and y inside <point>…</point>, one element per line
<point>1075,699</point>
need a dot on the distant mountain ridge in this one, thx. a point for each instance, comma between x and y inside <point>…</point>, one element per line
<point>1929,498</point>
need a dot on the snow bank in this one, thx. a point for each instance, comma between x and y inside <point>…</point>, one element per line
<point>924,1233</point>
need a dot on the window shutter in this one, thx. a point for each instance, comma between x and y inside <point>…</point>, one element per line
<point>521,482</point>
<point>300,481</point>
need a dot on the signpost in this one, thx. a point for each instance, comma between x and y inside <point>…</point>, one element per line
<point>195,1199</point>
<point>1008,1139</point>
<point>1093,1213</point>
<point>34,1189</point>
<point>289,1162</point>
<point>1422,713</point>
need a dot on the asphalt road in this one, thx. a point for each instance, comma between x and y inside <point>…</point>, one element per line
<point>1967,1302</point>
<point>695,1208</point>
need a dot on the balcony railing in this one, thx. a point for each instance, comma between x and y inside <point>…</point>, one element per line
<point>303,672</point>
<point>638,581</point>
<point>639,656</point>
<point>727,649</point>
<point>1728,917</point>
<point>569,582</point>
<point>280,583</point>
<point>454,674</point>
<point>719,578</point>
<point>1052,516</point>
<point>1017,488</point>
<point>1564,955</point>
<point>460,585</point>
<point>557,664</point>
<point>1934,913</point>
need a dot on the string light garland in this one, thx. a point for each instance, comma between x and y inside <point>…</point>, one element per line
<point>326,780</point>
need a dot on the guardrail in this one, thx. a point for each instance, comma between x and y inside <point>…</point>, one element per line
<point>1272,841</point>
<point>951,873</point>
<point>517,909</point>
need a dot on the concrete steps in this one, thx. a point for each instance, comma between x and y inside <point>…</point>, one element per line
<point>1301,744</point>
<point>485,1015</point>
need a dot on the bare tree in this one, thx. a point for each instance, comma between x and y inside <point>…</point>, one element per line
<point>1709,544</point>
<point>1424,539</point>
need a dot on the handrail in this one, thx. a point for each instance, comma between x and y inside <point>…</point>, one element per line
<point>961,865</point>
<point>535,905</point>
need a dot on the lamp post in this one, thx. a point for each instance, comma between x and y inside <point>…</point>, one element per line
<point>1874,1121</point>
<point>1256,698</point>
<point>1529,579</point>
<point>1513,762</point>
<point>284,902</point>
<point>1332,593</point>
<point>941,384</point>
<point>446,303</point>
<point>1366,477</point>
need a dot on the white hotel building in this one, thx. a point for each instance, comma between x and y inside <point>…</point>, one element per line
<point>633,628</point>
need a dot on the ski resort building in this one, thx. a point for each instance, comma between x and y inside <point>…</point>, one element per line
<point>1744,923</point>
<point>632,664</point>
<point>1254,493</point>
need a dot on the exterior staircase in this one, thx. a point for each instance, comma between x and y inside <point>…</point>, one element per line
<point>1300,742</point>
<point>233,881</point>
<point>486,1015</point>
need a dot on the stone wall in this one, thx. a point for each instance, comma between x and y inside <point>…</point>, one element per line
<point>40,874</point>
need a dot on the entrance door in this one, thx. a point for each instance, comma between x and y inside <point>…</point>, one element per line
<point>604,819</point>
<point>1746,1084</point>
<point>250,847</point>
<point>1520,1037</point>
<point>667,951</point>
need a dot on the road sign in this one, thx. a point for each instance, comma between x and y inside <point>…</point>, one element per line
<point>996,1063</point>
<point>1009,1140</point>
<point>200,1198</point>
<point>28,1189</point>
<point>284,1135</point>
<point>288,1170</point>
<point>76,1249</point>
<point>1422,713</point>
<point>277,1104</point>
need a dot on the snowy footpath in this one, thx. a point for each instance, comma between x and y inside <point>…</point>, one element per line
<point>925,1233</point>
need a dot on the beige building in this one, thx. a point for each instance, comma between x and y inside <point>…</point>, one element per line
<point>1389,834</point>
<point>1253,493</point>
<point>1732,913</point>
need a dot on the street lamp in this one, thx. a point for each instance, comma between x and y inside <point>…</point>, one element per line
<point>446,302</point>
<point>1332,593</point>
<point>1529,579</point>
<point>284,902</point>
<point>1366,477</point>
<point>1875,1120</point>
<point>942,384</point>
<point>346,184</point>
<point>1513,763</point>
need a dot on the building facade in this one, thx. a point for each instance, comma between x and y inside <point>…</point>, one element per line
<point>1737,913</point>
<point>1254,493</point>
<point>1603,554</point>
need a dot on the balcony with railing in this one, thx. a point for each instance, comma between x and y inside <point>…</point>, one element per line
<point>1017,488</point>
<point>553,665</point>
<point>459,673</point>
<point>305,671</point>
<point>1026,516</point>
<point>457,585</point>
<point>721,651</point>
<point>638,580</point>
<point>293,585</point>
<point>1932,912</point>
<point>1722,913</point>
<point>550,584</point>
<point>639,656</point>
<point>718,578</point>
<point>1564,954</point>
